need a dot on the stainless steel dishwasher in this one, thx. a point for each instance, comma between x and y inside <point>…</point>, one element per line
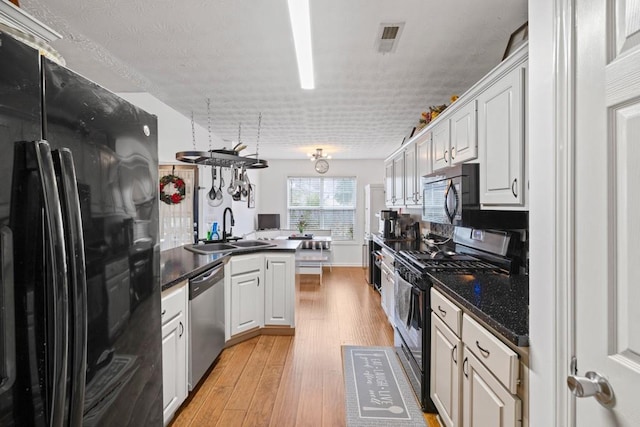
<point>206,321</point>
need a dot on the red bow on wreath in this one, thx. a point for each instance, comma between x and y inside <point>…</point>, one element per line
<point>172,189</point>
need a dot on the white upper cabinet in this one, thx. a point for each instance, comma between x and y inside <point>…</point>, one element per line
<point>501,138</point>
<point>464,135</point>
<point>398,179</point>
<point>388,183</point>
<point>441,141</point>
<point>410,176</point>
<point>424,158</point>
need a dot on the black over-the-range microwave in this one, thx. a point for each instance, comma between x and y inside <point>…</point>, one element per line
<point>452,196</point>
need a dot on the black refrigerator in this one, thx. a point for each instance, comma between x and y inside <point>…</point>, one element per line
<point>80,321</point>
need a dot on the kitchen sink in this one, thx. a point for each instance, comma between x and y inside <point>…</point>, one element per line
<point>252,244</point>
<point>212,248</point>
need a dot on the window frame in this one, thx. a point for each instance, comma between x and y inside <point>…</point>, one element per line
<point>322,208</point>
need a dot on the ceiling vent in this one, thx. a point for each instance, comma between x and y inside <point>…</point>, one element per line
<point>388,36</point>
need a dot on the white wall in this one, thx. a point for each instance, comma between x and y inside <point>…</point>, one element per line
<point>542,283</point>
<point>174,134</point>
<point>273,195</point>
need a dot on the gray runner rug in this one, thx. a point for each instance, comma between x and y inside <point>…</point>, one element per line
<point>376,390</point>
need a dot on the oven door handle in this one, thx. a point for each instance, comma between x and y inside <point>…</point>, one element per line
<point>415,316</point>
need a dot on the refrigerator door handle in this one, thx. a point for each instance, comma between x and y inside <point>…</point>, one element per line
<point>59,284</point>
<point>8,371</point>
<point>63,162</point>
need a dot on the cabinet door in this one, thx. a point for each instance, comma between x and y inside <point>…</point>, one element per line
<point>423,154</point>
<point>174,351</point>
<point>247,301</point>
<point>388,183</point>
<point>446,352</point>
<point>441,141</point>
<point>398,179</point>
<point>279,287</point>
<point>485,401</point>
<point>464,135</point>
<point>410,186</point>
<point>501,136</point>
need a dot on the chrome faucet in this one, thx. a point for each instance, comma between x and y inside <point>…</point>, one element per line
<point>224,224</point>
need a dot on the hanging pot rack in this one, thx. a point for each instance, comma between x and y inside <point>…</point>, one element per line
<point>223,158</point>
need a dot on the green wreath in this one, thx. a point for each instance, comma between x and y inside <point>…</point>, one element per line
<point>172,189</point>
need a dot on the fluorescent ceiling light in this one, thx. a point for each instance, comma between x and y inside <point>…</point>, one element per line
<point>301,28</point>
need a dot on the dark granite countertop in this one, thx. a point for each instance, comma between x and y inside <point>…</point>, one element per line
<point>396,245</point>
<point>500,301</point>
<point>179,264</point>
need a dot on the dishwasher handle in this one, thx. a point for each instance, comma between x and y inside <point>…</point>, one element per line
<point>204,281</point>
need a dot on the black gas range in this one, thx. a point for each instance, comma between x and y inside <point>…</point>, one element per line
<point>476,251</point>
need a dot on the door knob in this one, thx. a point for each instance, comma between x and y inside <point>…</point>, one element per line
<point>592,384</point>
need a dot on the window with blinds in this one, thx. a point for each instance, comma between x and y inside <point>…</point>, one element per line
<point>327,203</point>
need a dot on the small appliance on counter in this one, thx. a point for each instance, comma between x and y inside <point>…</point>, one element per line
<point>388,220</point>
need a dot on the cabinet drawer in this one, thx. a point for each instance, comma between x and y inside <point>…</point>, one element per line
<point>447,311</point>
<point>245,263</point>
<point>495,355</point>
<point>173,302</point>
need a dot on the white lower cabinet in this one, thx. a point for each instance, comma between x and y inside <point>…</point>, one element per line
<point>473,378</point>
<point>247,293</point>
<point>279,275</point>
<point>261,289</point>
<point>175,342</point>
<point>486,402</point>
<point>446,353</point>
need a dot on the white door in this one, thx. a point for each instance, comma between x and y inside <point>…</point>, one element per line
<point>607,197</point>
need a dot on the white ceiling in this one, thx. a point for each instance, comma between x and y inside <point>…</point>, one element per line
<point>240,54</point>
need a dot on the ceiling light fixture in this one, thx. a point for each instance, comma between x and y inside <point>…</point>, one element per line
<point>318,155</point>
<point>301,29</point>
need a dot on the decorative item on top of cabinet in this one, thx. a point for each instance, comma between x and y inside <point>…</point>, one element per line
<point>501,138</point>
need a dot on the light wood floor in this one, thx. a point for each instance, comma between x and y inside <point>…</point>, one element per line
<point>295,380</point>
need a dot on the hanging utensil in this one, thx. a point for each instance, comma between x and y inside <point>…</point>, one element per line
<point>219,192</point>
<point>212,192</point>
<point>232,185</point>
<point>245,183</point>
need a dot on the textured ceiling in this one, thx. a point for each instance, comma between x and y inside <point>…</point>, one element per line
<point>240,54</point>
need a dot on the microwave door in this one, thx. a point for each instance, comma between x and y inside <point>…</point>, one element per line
<point>451,201</point>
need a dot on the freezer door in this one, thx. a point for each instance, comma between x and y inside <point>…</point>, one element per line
<point>115,157</point>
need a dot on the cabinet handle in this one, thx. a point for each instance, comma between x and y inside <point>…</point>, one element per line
<point>443,312</point>
<point>465,362</point>
<point>453,354</point>
<point>258,281</point>
<point>513,187</point>
<point>453,153</point>
<point>445,156</point>
<point>267,264</point>
<point>163,313</point>
<point>484,352</point>
<point>181,330</point>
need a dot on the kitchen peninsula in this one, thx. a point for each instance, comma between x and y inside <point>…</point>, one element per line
<point>257,297</point>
